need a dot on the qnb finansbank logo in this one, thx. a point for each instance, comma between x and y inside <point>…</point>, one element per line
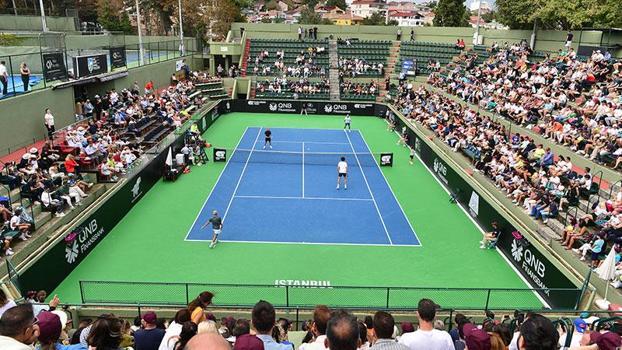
<point>530,264</point>
<point>71,252</point>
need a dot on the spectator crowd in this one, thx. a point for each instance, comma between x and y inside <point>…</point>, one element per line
<point>48,326</point>
<point>305,63</point>
<point>299,87</point>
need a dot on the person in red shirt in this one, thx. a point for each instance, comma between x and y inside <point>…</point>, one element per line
<point>71,166</point>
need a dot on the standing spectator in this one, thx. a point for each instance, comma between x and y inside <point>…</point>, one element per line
<point>149,336</point>
<point>24,72</point>
<point>5,303</point>
<point>299,33</point>
<point>18,328</point>
<point>198,305</point>
<point>321,315</point>
<point>538,333</point>
<point>342,332</point>
<point>399,34</point>
<point>4,78</point>
<point>426,337</point>
<point>264,319</point>
<point>48,120</point>
<point>384,326</point>
<point>412,35</point>
<point>569,38</point>
<point>315,33</point>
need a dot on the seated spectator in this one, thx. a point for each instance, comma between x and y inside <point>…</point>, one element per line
<point>16,224</point>
<point>537,333</point>
<point>51,204</point>
<point>5,303</point>
<point>321,315</point>
<point>104,333</point>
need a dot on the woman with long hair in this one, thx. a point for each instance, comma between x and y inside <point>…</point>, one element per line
<point>198,306</point>
<point>105,333</point>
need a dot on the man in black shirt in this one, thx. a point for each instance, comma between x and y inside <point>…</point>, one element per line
<point>267,139</point>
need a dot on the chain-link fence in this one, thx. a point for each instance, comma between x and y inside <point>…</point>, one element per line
<point>314,293</point>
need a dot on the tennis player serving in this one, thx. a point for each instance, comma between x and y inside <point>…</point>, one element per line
<point>216,222</point>
<point>342,172</point>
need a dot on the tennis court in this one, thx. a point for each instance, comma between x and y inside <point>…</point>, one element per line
<point>149,244</point>
<point>290,190</point>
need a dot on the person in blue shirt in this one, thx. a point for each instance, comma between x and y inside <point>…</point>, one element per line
<point>50,330</point>
<point>547,158</point>
<point>597,249</point>
<point>264,320</point>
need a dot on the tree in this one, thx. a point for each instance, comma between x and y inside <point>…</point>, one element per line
<point>451,13</point>
<point>376,19</point>
<point>338,3</point>
<point>112,16</point>
<point>308,16</point>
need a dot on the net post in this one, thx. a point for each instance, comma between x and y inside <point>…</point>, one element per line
<point>187,294</point>
<point>488,298</point>
<point>287,296</point>
<point>388,292</point>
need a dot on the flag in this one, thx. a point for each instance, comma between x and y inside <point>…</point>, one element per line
<point>169,158</point>
<point>607,270</point>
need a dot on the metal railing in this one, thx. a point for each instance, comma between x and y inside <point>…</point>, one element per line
<point>310,293</point>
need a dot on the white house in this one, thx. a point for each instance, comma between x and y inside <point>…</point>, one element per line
<point>407,18</point>
<point>365,8</point>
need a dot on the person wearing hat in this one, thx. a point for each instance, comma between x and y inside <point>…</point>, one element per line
<point>580,326</point>
<point>51,325</point>
<point>149,336</point>
<point>475,338</point>
<point>216,222</point>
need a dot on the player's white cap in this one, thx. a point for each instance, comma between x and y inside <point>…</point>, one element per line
<point>215,211</point>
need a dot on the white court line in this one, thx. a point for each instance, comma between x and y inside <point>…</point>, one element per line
<point>391,189</point>
<point>303,170</point>
<point>482,231</point>
<point>224,216</point>
<point>216,184</point>
<point>368,188</point>
<point>307,198</point>
<point>311,243</point>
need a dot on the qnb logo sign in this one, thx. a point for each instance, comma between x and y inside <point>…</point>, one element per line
<point>273,107</point>
<point>136,192</point>
<point>71,252</point>
<point>336,108</point>
<point>533,267</point>
<point>440,169</point>
<point>87,236</point>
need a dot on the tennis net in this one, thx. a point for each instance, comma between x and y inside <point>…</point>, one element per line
<point>308,158</point>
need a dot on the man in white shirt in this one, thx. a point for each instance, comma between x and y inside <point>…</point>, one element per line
<point>321,315</point>
<point>4,77</point>
<point>342,172</point>
<point>426,337</point>
<point>18,328</point>
<point>49,122</point>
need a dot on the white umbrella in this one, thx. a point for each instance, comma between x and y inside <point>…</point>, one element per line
<point>607,270</point>
<point>169,158</point>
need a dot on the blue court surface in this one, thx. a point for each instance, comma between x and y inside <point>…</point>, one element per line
<point>288,194</point>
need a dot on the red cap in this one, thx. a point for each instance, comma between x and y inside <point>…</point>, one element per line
<point>150,317</point>
<point>475,338</point>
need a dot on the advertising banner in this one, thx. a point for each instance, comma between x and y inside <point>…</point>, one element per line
<point>85,66</point>
<point>117,57</point>
<point>220,155</point>
<point>312,107</point>
<point>54,66</point>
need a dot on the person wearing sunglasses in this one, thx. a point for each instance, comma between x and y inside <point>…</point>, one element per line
<point>18,328</point>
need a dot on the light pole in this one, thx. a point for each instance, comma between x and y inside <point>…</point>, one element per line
<point>141,52</point>
<point>479,14</point>
<point>44,24</point>
<point>182,49</point>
